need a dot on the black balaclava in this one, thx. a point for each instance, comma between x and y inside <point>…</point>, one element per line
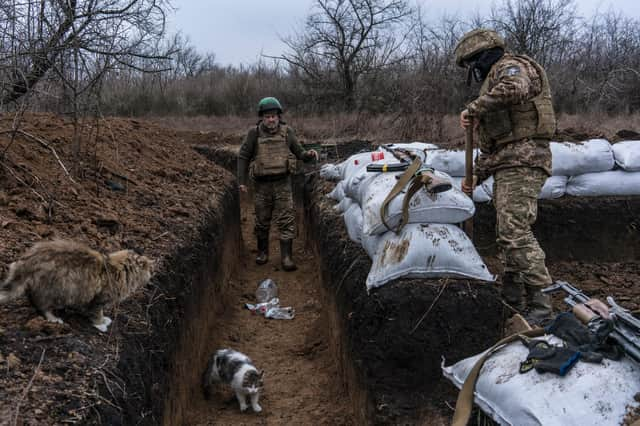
<point>481,64</point>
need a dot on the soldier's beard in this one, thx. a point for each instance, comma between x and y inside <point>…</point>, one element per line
<point>271,126</point>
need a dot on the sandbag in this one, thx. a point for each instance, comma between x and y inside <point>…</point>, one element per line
<point>332,172</point>
<point>554,187</point>
<point>446,207</point>
<point>589,394</point>
<point>425,251</point>
<point>355,163</point>
<point>571,159</point>
<point>616,182</point>
<point>343,205</point>
<point>356,185</point>
<point>480,194</point>
<point>627,155</point>
<point>337,193</point>
<point>353,222</point>
<point>451,162</point>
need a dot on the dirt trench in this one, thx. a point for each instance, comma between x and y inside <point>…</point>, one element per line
<point>303,382</point>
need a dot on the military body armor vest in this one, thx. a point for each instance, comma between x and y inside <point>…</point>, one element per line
<point>272,153</point>
<point>534,119</point>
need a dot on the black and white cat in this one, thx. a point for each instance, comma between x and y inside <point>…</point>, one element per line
<point>237,369</point>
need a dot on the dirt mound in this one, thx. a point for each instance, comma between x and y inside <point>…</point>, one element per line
<point>126,190</point>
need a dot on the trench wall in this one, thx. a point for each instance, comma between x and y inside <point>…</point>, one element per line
<point>590,229</point>
<point>393,367</point>
<point>190,283</point>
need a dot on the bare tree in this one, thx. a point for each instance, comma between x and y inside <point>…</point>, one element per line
<point>542,29</point>
<point>344,39</point>
<point>36,34</point>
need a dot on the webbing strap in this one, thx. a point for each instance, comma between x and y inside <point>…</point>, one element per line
<point>403,180</point>
<point>464,404</point>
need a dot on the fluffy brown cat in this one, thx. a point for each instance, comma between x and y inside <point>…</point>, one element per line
<point>60,274</point>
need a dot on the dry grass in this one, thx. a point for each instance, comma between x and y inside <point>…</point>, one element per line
<point>441,130</point>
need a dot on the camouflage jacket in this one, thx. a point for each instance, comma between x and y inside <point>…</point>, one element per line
<point>511,82</point>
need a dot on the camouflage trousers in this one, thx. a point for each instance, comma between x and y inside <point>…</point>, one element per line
<point>515,192</point>
<point>274,199</point>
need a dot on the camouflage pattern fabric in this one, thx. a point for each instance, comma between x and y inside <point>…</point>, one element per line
<point>274,199</point>
<point>516,201</point>
<point>511,81</point>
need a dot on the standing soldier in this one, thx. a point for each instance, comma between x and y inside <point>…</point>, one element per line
<point>515,120</point>
<point>268,148</point>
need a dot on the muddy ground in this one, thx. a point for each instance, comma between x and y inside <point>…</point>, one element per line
<point>127,190</point>
<point>346,357</point>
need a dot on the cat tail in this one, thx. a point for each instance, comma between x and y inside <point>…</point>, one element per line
<point>11,288</point>
<point>207,378</point>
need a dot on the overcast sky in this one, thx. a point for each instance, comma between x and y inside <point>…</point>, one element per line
<point>238,31</point>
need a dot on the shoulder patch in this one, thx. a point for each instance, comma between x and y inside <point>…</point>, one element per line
<point>512,70</point>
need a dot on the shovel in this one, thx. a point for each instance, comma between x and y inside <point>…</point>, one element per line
<point>468,174</point>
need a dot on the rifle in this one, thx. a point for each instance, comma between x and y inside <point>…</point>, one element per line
<point>595,314</point>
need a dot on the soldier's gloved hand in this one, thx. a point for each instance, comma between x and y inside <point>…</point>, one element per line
<point>469,190</point>
<point>243,188</point>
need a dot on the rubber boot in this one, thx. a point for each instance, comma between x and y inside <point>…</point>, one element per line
<point>286,247</point>
<point>513,292</point>
<point>538,306</point>
<point>263,251</point>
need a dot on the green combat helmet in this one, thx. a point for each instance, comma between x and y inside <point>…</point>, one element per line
<point>269,104</point>
<point>475,42</point>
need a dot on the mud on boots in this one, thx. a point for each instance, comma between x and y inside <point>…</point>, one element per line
<point>513,292</point>
<point>263,250</point>
<point>286,254</point>
<point>538,306</point>
<point>271,150</point>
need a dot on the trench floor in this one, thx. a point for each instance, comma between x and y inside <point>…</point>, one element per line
<point>302,380</point>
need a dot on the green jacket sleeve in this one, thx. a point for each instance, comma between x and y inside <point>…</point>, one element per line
<point>295,146</point>
<point>246,154</point>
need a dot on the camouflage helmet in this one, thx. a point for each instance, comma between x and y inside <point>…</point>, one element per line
<point>475,42</point>
<point>269,104</point>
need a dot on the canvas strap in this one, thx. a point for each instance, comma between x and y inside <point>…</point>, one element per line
<point>402,182</point>
<point>464,404</point>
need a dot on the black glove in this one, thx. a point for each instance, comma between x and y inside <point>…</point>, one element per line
<point>548,358</point>
<point>592,344</point>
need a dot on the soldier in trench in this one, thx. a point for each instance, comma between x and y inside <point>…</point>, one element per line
<point>269,153</point>
<point>515,120</point>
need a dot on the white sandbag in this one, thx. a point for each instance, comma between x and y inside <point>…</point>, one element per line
<point>338,192</point>
<point>332,172</point>
<point>426,251</point>
<point>571,159</point>
<point>627,155</point>
<point>451,162</point>
<point>480,194</point>
<point>355,163</point>
<point>356,185</point>
<point>554,187</point>
<point>353,222</point>
<point>370,243</point>
<point>446,207</point>
<point>615,182</point>
<point>343,205</point>
<point>588,395</point>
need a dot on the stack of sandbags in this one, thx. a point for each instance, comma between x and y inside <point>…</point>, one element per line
<point>601,181</point>
<point>429,246</point>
